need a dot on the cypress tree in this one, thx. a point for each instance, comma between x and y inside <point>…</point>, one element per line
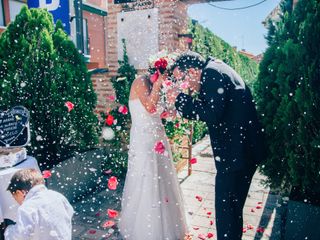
<point>41,69</point>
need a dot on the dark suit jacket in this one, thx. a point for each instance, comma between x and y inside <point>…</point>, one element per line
<point>226,105</point>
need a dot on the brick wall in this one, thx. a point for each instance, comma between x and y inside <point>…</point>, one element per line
<point>172,21</point>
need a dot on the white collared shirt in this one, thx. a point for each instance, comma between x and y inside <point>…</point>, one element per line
<point>44,215</point>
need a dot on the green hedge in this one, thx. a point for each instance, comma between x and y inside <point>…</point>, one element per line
<point>41,69</point>
<point>208,44</point>
<point>288,97</point>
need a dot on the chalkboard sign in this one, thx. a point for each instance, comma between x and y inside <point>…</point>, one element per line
<point>14,127</point>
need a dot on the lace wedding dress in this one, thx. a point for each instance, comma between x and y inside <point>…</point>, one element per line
<point>152,205</point>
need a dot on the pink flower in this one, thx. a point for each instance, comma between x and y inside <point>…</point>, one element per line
<point>108,224</point>
<point>159,147</point>
<point>111,98</point>
<point>123,109</point>
<point>177,125</point>
<point>69,105</point>
<point>108,171</point>
<point>154,77</point>
<point>46,174</point>
<point>184,85</point>
<point>112,213</point>
<point>164,115</point>
<point>113,183</point>
<point>193,161</point>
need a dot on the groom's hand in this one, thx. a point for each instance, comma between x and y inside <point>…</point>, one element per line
<point>172,94</point>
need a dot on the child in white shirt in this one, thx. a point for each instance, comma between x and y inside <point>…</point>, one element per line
<point>43,214</point>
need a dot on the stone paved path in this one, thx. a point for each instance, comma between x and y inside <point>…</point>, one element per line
<point>261,212</point>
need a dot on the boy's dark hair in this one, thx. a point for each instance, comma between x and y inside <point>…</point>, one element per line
<point>25,179</point>
<point>188,60</point>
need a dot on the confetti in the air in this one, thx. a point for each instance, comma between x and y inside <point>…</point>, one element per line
<point>69,105</point>
<point>159,147</point>
<point>112,183</point>
<point>46,174</point>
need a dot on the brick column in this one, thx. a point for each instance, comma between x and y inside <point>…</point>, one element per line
<point>173,20</point>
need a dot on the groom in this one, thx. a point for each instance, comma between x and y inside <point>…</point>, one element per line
<point>225,103</point>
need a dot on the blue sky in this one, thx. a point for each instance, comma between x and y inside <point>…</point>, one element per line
<point>241,28</point>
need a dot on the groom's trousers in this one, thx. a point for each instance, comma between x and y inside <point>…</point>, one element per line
<point>231,191</point>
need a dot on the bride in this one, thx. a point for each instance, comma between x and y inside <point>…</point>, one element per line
<point>152,206</point>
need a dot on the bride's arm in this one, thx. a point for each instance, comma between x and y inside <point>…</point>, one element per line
<point>149,99</point>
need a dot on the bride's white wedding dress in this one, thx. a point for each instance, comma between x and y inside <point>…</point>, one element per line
<point>152,206</point>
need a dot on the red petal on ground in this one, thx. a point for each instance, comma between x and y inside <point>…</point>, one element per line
<point>249,226</point>
<point>259,202</point>
<point>244,230</point>
<point>258,207</point>
<point>193,161</point>
<point>202,236</point>
<point>252,210</point>
<point>91,231</point>
<point>112,213</point>
<point>260,229</point>
<point>210,235</point>
<point>113,183</point>
<point>195,228</point>
<point>199,198</point>
<point>211,222</point>
<point>108,224</point>
<point>209,213</point>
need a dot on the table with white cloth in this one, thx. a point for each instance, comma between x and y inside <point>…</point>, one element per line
<point>8,206</point>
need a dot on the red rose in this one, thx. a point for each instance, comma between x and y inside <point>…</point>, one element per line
<point>161,64</point>
<point>109,120</point>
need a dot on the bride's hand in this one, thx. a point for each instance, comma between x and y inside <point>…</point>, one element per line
<point>160,80</point>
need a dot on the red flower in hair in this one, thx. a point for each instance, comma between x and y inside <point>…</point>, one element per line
<point>161,64</point>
